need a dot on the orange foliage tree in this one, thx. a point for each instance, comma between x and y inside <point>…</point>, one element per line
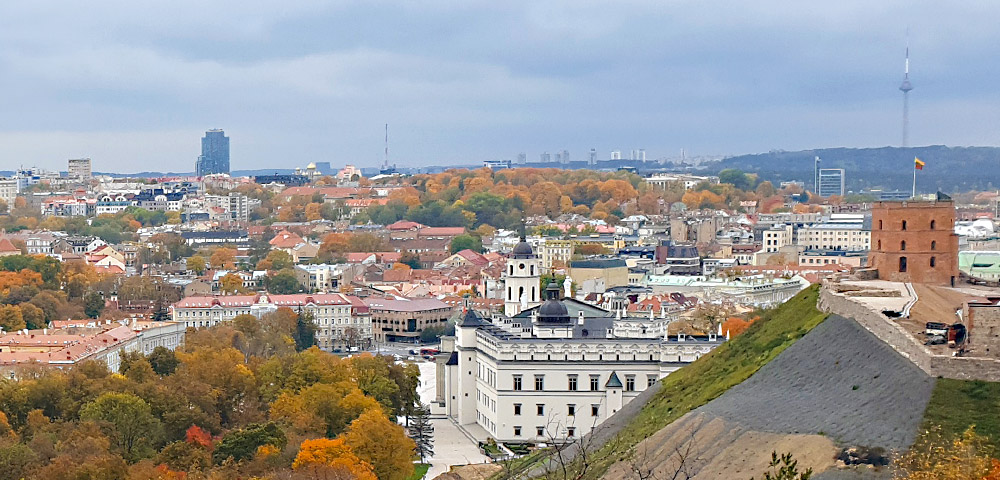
<point>332,459</point>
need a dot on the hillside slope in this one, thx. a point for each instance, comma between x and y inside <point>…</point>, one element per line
<point>838,386</point>
<point>691,387</point>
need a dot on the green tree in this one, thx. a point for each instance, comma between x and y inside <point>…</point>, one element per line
<point>93,305</point>
<point>163,360</point>
<point>785,468</point>
<point>466,241</point>
<point>421,431</point>
<point>736,178</point>
<point>284,283</point>
<point>127,420</point>
<point>243,443</point>
<point>305,331</point>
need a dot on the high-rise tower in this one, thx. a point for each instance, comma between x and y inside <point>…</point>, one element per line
<point>214,156</point>
<point>905,88</point>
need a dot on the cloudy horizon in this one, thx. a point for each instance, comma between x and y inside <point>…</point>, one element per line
<point>134,86</point>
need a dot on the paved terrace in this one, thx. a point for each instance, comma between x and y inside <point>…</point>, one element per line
<point>909,308</point>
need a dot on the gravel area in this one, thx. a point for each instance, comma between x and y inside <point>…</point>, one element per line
<point>839,381</point>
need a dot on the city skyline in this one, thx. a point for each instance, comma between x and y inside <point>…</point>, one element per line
<point>132,85</point>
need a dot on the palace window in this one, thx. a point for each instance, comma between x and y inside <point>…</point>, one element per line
<point>630,383</point>
<point>595,410</point>
<point>571,409</point>
<point>517,409</point>
<point>517,382</point>
<point>540,409</point>
<point>572,383</point>
<point>595,383</point>
<point>539,382</point>
<point>517,431</point>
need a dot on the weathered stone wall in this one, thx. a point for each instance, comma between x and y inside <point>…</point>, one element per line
<point>984,322</point>
<point>959,368</point>
<point>883,328</point>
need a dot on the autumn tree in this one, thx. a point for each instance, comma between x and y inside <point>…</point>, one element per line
<point>231,284</point>
<point>935,456</point>
<point>331,459</point>
<point>127,420</point>
<point>11,318</point>
<point>381,443</point>
<point>196,263</point>
<point>276,260</point>
<point>223,258</point>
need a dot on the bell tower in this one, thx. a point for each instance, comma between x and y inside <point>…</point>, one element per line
<point>521,280</point>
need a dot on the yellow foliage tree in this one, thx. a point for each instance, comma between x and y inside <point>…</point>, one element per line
<point>383,444</point>
<point>935,457</point>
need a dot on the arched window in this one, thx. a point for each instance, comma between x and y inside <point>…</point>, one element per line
<point>933,262</point>
<point>534,297</point>
<point>933,244</point>
<point>532,270</point>
<point>880,224</point>
<point>510,293</point>
<point>512,269</point>
<point>879,245</point>
<point>933,224</point>
<point>520,292</point>
<point>902,245</point>
<point>902,264</point>
<point>904,224</point>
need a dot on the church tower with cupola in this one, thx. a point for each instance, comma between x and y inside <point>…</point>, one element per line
<point>521,281</point>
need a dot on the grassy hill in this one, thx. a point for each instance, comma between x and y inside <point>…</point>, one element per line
<point>949,169</point>
<point>957,404</point>
<point>711,375</point>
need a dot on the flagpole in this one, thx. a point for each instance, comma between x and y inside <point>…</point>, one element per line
<point>914,194</point>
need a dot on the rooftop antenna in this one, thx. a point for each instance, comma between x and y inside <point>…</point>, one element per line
<point>387,145</point>
<point>905,88</point>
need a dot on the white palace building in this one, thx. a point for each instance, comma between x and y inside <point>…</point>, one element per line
<point>554,371</point>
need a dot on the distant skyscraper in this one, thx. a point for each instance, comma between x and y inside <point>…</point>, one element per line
<point>642,155</point>
<point>79,168</point>
<point>565,157</point>
<point>558,157</point>
<point>831,182</point>
<point>522,158</point>
<point>545,157</point>
<point>593,156</point>
<point>214,156</point>
<point>616,154</point>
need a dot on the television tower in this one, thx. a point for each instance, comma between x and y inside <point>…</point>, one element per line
<point>905,88</point>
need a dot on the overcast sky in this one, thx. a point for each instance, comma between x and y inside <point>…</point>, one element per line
<point>134,85</point>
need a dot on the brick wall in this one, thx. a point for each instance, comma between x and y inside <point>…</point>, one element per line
<point>922,233</point>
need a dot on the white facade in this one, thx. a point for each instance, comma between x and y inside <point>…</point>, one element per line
<point>552,383</point>
<point>776,237</point>
<point>339,318</point>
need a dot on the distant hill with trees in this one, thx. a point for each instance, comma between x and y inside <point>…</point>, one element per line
<point>949,169</point>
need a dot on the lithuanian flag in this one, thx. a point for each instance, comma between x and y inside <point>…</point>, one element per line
<point>918,163</point>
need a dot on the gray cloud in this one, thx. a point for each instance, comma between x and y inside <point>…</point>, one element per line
<point>131,83</point>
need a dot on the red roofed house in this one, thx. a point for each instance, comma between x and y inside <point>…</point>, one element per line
<point>8,248</point>
<point>465,257</point>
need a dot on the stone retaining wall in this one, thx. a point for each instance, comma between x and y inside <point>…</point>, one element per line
<point>960,368</point>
